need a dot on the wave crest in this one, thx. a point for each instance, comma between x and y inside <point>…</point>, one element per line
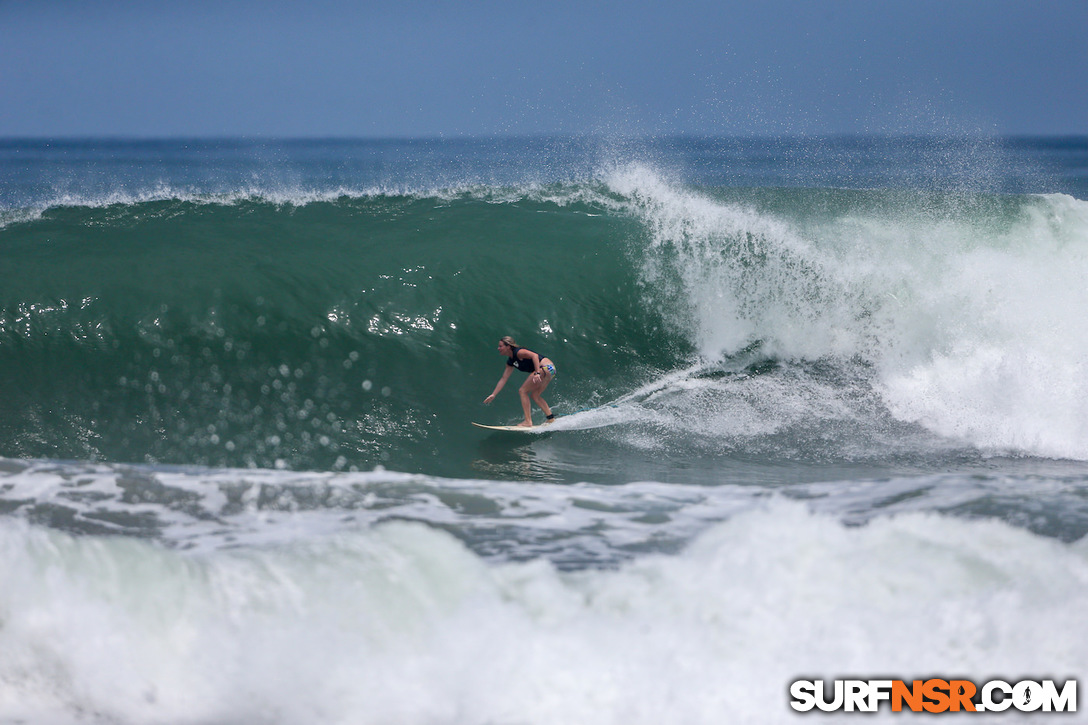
<point>967,310</point>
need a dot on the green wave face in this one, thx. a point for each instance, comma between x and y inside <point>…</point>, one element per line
<point>340,333</point>
<point>718,324</point>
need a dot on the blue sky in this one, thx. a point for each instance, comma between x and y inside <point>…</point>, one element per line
<point>429,68</point>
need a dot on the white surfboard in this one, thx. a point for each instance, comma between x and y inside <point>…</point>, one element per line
<point>512,428</point>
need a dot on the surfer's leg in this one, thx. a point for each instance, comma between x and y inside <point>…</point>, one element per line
<point>533,386</point>
<point>541,404</point>
<point>539,388</point>
<point>524,392</point>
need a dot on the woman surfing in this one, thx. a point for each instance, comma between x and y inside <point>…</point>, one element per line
<point>541,372</point>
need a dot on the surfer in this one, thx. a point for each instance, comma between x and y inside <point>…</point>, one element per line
<point>541,372</point>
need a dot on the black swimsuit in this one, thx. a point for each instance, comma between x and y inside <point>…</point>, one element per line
<point>525,365</point>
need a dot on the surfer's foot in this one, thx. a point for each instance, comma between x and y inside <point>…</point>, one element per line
<point>525,425</point>
<point>551,417</point>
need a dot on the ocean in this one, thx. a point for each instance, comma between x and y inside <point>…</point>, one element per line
<point>822,414</point>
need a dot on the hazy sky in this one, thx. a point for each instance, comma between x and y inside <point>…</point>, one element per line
<point>431,68</point>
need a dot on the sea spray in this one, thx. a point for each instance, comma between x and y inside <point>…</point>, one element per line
<point>966,313</point>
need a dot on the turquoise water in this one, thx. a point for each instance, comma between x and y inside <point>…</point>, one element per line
<point>239,378</point>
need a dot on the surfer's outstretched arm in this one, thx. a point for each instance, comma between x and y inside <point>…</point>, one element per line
<point>498,387</point>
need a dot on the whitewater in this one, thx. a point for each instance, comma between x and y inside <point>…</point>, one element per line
<point>821,416</point>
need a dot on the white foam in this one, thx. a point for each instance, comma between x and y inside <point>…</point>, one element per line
<point>746,275</point>
<point>209,509</point>
<point>971,315</point>
<point>402,624</point>
<point>1011,374</point>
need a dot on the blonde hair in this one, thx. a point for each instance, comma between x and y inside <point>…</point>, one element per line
<point>509,341</point>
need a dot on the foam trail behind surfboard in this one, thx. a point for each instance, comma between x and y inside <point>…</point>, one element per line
<point>617,411</point>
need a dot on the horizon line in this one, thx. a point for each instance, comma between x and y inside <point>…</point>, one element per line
<point>345,138</point>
